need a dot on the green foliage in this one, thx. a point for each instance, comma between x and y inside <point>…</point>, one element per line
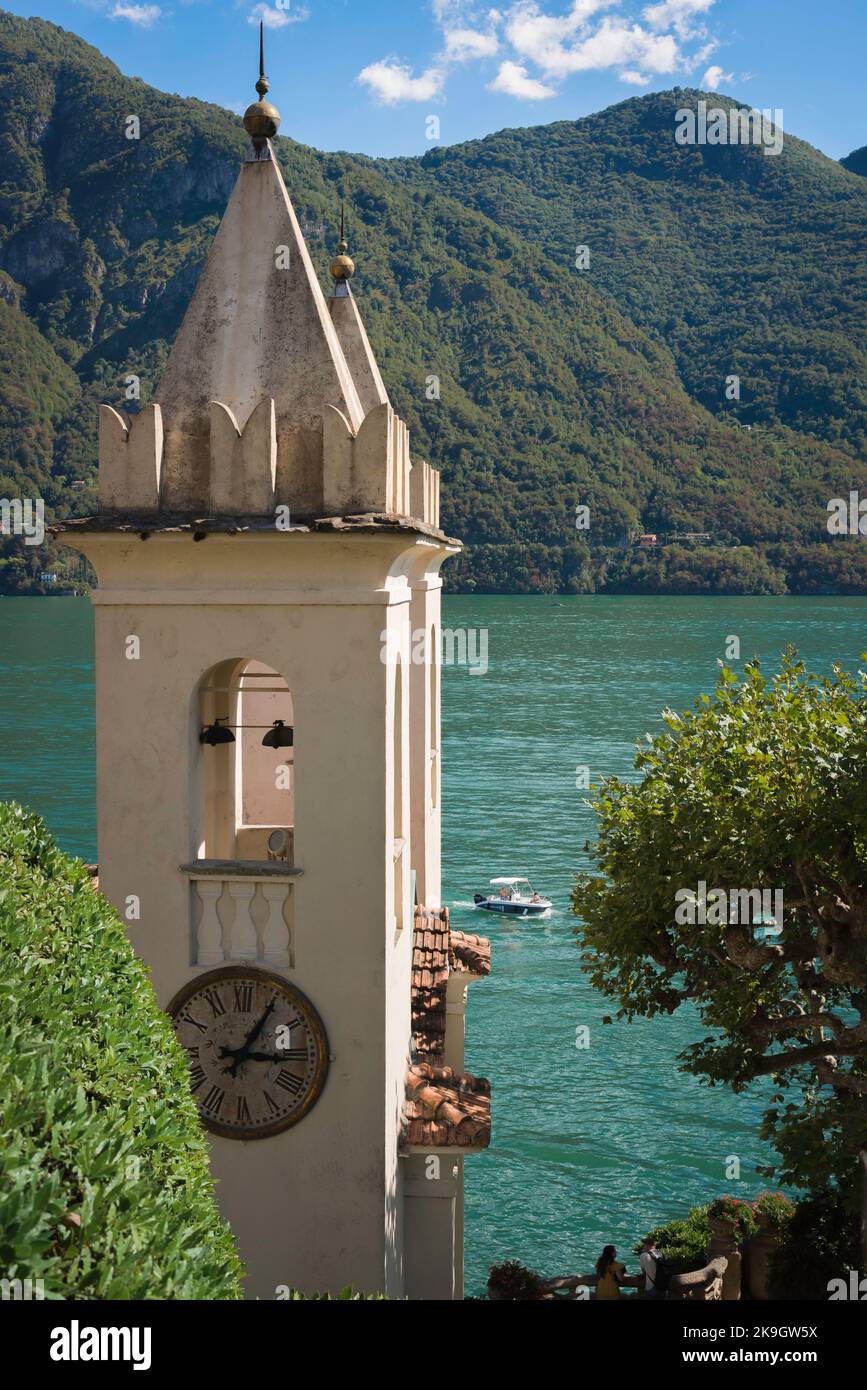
<point>856,162</point>
<point>738,1213</point>
<point>759,787</point>
<point>683,1241</point>
<point>105,1191</point>
<point>776,1208</point>
<point>819,1243</point>
<point>513,1281</point>
<point>557,387</point>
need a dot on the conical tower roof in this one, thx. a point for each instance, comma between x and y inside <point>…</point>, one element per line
<point>351,331</point>
<point>258,326</point>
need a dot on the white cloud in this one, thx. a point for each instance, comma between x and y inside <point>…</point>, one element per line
<point>465,44</point>
<point>540,37</point>
<point>714,76</point>
<point>613,44</point>
<point>680,15</point>
<point>516,82</point>
<point>142,15</point>
<point>391,82</point>
<point>274,18</point>
<point>703,53</point>
<point>586,38</point>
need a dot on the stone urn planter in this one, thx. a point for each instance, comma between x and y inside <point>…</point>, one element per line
<point>723,1245</point>
<point>759,1250</point>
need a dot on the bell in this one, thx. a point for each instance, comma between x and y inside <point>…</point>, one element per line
<point>216,733</point>
<point>281,736</point>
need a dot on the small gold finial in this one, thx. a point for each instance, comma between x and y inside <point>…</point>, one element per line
<point>261,120</point>
<point>343,266</point>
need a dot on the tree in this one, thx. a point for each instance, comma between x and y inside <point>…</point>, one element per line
<point>761,786</point>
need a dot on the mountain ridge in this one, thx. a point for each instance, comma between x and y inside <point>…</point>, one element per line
<point>557,389</point>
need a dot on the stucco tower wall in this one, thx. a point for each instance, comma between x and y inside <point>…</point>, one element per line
<point>336,1218</point>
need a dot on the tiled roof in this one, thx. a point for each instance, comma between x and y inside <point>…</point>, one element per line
<point>469,954</point>
<point>430,977</point>
<point>436,950</point>
<point>444,1109</point>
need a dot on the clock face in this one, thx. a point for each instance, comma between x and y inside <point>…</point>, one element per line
<point>257,1050</point>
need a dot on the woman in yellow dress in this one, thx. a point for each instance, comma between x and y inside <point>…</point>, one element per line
<point>609,1274</point>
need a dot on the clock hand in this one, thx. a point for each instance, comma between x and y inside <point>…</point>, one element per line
<point>260,1025</point>
<point>240,1054</point>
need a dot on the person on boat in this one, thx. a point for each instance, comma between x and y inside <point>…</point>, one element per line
<point>609,1275</point>
<point>536,898</point>
<point>504,892</point>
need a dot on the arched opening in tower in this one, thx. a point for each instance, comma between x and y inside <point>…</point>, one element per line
<point>244,801</point>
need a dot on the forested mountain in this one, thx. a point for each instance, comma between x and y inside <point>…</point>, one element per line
<point>856,161</point>
<point>559,387</point>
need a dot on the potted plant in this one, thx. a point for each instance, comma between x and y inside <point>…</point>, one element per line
<point>512,1281</point>
<point>734,1218</point>
<point>732,1223</point>
<point>773,1212</point>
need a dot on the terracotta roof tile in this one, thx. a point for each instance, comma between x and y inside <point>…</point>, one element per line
<point>430,977</point>
<point>442,1108</point>
<point>469,954</point>
<point>437,950</point>
<point>445,1109</point>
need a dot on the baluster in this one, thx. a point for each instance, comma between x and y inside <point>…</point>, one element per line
<point>275,934</point>
<point>244,943</point>
<point>210,932</point>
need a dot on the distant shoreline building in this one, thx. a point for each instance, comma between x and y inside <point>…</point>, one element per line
<point>268,764</point>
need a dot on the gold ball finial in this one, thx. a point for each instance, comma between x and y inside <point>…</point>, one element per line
<point>343,266</point>
<point>261,120</point>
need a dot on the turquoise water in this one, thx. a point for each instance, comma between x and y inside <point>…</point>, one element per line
<point>589,1146</point>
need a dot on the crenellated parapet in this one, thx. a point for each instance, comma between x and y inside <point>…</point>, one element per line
<point>130,460</point>
<point>243,471</point>
<point>368,470</point>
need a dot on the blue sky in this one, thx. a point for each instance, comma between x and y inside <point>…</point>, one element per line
<point>366,75</point>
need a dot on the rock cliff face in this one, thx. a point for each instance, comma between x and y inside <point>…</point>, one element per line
<point>535,387</point>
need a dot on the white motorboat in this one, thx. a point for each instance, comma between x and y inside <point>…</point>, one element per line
<point>515,897</point>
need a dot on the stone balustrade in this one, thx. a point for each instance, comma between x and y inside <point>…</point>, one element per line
<point>242,910</point>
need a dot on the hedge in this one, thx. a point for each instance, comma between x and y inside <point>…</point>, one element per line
<point>105,1191</point>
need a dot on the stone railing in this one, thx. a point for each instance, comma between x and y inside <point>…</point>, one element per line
<point>701,1285</point>
<point>571,1286</point>
<point>242,910</point>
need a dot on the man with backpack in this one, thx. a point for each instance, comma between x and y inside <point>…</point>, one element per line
<point>656,1270</point>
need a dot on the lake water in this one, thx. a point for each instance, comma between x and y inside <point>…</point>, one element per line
<point>589,1146</point>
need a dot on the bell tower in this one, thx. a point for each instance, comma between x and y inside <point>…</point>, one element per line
<point>268,763</point>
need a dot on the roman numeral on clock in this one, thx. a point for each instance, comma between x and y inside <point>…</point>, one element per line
<point>242,1112</point>
<point>215,1002</point>
<point>272,1105</point>
<point>188,1018</point>
<point>213,1100</point>
<point>197,1076</point>
<point>294,1054</point>
<point>243,999</point>
<point>290,1082</point>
